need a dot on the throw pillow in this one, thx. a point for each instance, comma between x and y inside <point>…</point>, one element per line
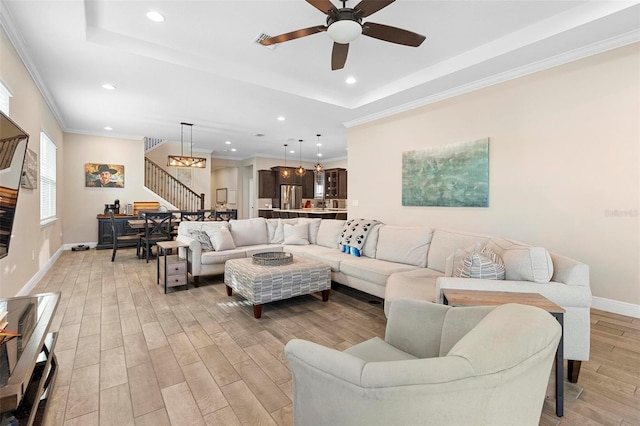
<point>221,239</point>
<point>476,265</point>
<point>329,232</point>
<point>296,234</point>
<point>203,238</point>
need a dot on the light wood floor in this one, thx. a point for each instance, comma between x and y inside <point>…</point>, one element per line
<point>131,355</point>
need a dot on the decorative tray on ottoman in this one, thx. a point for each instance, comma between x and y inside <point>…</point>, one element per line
<point>274,258</point>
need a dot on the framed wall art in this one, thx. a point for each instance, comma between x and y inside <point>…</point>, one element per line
<point>30,170</point>
<point>100,175</point>
<point>455,175</point>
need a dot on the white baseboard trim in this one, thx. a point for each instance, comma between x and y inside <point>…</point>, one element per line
<point>38,276</point>
<point>616,307</point>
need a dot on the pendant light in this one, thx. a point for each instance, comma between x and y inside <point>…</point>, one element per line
<point>300,171</point>
<point>285,173</point>
<point>317,169</point>
<point>181,160</point>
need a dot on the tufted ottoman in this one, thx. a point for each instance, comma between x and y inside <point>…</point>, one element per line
<point>261,284</point>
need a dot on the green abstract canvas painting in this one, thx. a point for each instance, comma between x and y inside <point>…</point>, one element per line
<point>455,175</point>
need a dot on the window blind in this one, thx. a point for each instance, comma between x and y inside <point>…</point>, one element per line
<point>47,178</point>
<point>5,95</point>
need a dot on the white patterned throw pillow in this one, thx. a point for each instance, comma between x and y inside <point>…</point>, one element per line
<point>481,265</point>
<point>203,238</point>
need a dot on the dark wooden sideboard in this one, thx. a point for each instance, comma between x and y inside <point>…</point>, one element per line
<point>105,238</point>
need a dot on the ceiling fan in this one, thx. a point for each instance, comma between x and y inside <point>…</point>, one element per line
<point>344,25</point>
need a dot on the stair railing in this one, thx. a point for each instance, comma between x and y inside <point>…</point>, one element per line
<point>170,188</point>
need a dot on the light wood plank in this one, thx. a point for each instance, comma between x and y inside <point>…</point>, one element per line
<point>205,391</point>
<point>222,417</point>
<point>145,391</point>
<point>181,407</point>
<point>267,392</point>
<point>113,368</point>
<point>168,372</point>
<point>245,405</point>
<point>156,418</point>
<point>84,391</point>
<point>218,365</point>
<point>115,406</point>
<point>135,349</point>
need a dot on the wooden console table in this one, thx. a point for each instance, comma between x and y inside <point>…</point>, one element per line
<point>105,239</point>
<point>495,298</point>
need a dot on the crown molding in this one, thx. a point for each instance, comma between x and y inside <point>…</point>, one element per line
<point>8,25</point>
<point>565,58</point>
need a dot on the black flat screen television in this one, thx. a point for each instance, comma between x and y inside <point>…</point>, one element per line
<point>13,146</point>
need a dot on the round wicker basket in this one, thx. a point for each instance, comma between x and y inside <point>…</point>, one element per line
<point>272,258</point>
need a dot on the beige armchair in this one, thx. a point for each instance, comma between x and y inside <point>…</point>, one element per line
<point>438,365</point>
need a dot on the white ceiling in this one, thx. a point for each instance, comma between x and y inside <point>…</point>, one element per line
<point>202,65</point>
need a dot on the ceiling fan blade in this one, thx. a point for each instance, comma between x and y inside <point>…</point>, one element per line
<point>293,35</point>
<point>392,34</point>
<point>369,7</point>
<point>339,56</point>
<point>323,6</point>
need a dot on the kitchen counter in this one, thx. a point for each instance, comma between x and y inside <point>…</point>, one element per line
<point>327,213</point>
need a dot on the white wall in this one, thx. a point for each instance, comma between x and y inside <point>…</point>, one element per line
<point>564,155</point>
<point>81,204</point>
<point>32,246</point>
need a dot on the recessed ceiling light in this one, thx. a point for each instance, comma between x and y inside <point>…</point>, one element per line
<point>318,144</point>
<point>350,80</point>
<point>155,16</point>
<point>233,150</point>
<point>227,142</point>
<point>281,118</point>
<point>109,86</point>
<point>108,128</point>
<point>292,152</point>
<point>319,155</point>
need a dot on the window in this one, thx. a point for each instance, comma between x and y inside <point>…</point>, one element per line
<point>5,95</point>
<point>47,179</point>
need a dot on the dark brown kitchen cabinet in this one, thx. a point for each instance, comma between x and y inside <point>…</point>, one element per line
<point>335,183</point>
<point>266,184</point>
<point>307,185</point>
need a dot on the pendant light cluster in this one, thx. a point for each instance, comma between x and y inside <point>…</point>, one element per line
<point>300,171</point>
<point>285,173</point>
<point>318,168</point>
<point>181,160</point>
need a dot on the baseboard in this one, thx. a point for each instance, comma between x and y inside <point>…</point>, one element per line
<point>616,307</point>
<point>38,276</point>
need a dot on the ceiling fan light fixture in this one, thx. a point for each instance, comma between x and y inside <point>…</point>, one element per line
<point>344,31</point>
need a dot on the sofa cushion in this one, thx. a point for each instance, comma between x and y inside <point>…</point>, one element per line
<point>247,232</point>
<point>371,242</point>
<point>373,270</point>
<point>329,232</point>
<point>272,228</point>
<point>523,262</point>
<point>314,226</point>
<point>408,245</point>
<point>202,238</point>
<point>221,238</point>
<point>187,225</point>
<point>377,350</point>
<point>261,248</point>
<point>296,234</point>
<point>478,265</point>
<point>417,284</point>
<point>328,256</point>
<point>217,257</point>
<point>445,242</point>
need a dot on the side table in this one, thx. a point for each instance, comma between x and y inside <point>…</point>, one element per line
<point>494,298</point>
<point>172,270</point>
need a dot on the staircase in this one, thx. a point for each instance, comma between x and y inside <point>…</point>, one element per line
<point>170,188</point>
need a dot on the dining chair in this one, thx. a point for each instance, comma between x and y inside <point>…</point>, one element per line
<point>117,239</point>
<point>192,216</point>
<point>157,227</point>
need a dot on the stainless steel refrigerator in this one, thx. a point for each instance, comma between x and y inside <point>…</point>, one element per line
<point>290,197</point>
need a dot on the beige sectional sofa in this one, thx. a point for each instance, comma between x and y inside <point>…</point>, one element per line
<point>408,262</point>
